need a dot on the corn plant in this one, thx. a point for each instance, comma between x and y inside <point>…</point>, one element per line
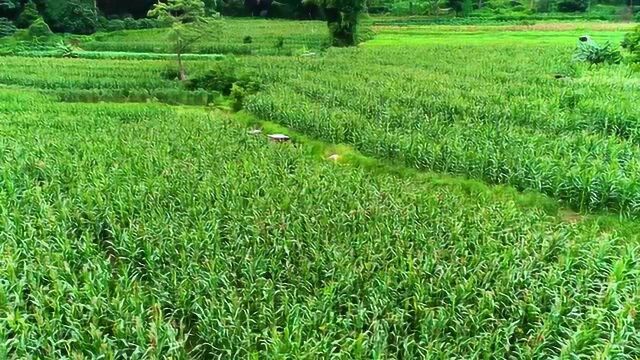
<point>150,231</point>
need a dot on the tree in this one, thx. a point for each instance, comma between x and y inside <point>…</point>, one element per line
<point>28,16</point>
<point>188,25</point>
<point>8,5</point>
<point>121,8</point>
<point>72,16</point>
<point>6,27</point>
<point>179,11</point>
<point>39,30</point>
<point>8,8</point>
<point>573,5</point>
<point>342,19</point>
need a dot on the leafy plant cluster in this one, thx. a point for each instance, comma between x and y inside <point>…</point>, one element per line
<point>7,28</point>
<point>142,230</point>
<point>71,16</point>
<point>129,23</point>
<point>591,52</point>
<point>632,44</point>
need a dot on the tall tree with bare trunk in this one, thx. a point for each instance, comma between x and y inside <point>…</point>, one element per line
<point>188,25</point>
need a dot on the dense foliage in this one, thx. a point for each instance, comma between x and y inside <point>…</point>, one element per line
<point>28,15</point>
<point>342,18</point>
<point>74,16</point>
<point>573,5</point>
<point>87,16</point>
<point>39,29</point>
<point>591,52</point>
<point>632,44</point>
<point>7,28</point>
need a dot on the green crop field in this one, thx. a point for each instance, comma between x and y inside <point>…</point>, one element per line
<point>228,38</point>
<point>448,192</point>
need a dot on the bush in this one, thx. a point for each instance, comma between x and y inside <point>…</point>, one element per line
<point>6,28</point>
<point>238,93</point>
<point>279,43</point>
<point>170,73</point>
<point>225,78</point>
<point>39,30</point>
<point>28,16</point>
<point>247,40</point>
<point>131,24</point>
<point>591,52</point>
<point>81,20</point>
<point>631,43</point>
<point>542,6</point>
<point>72,16</point>
<point>149,24</point>
<point>102,23</point>
<point>66,50</point>
<point>572,5</point>
<point>115,25</point>
<point>220,77</point>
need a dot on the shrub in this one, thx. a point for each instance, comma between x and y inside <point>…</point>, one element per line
<point>631,42</point>
<point>115,25</point>
<point>247,40</point>
<point>81,20</point>
<point>170,73</point>
<point>225,78</point>
<point>39,30</point>
<point>220,77</point>
<point>102,23</point>
<point>591,52</point>
<point>28,16</point>
<point>238,93</point>
<point>149,24</point>
<point>131,24</point>
<point>279,43</point>
<point>66,50</point>
<point>72,16</point>
<point>572,5</point>
<point>6,28</point>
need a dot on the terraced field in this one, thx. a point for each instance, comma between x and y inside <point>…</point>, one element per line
<point>136,225</point>
<point>234,36</point>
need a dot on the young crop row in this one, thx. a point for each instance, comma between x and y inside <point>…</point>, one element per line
<point>241,37</point>
<point>520,115</point>
<point>84,80</point>
<point>48,73</point>
<point>142,230</point>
